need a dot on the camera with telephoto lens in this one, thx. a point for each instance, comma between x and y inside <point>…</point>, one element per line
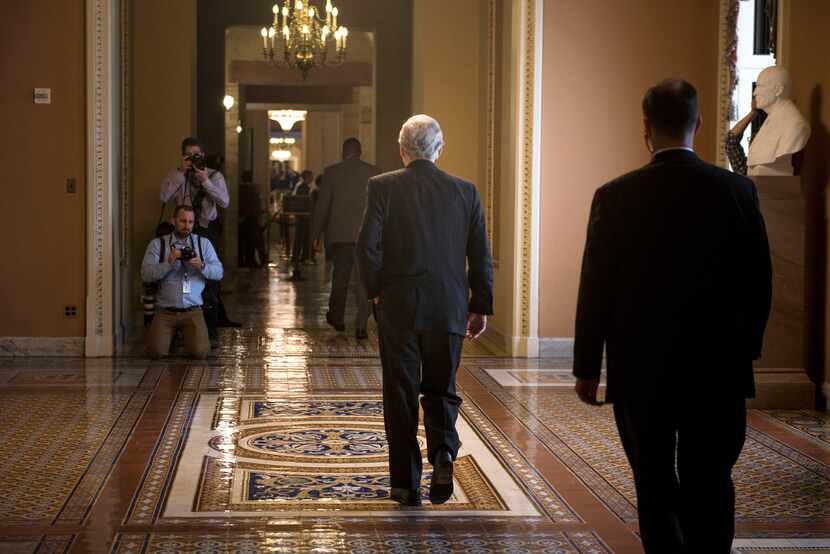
<point>187,253</point>
<point>197,159</point>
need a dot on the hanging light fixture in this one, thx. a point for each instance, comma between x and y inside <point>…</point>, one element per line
<point>228,101</point>
<point>281,155</point>
<point>287,118</point>
<point>304,36</point>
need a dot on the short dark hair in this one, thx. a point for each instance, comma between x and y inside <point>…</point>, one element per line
<point>307,174</point>
<point>190,141</point>
<point>671,107</point>
<point>352,147</point>
<point>182,208</point>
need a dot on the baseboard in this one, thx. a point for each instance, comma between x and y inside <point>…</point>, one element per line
<point>42,346</point>
<point>99,346</point>
<point>556,347</point>
<point>494,341</point>
<point>517,347</point>
<point>783,388</point>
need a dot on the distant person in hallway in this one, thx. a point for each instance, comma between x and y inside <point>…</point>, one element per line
<point>180,263</point>
<point>204,188</point>
<point>339,212</point>
<point>676,286</point>
<point>302,246</point>
<point>425,262</point>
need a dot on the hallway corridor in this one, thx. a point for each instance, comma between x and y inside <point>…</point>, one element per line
<point>276,444</point>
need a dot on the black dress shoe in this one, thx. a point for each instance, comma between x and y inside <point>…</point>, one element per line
<point>440,488</point>
<point>337,326</point>
<point>361,334</point>
<point>406,497</point>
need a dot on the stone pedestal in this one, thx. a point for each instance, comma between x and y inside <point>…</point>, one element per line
<point>780,375</point>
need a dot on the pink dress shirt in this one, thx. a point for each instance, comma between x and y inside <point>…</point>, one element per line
<point>174,187</point>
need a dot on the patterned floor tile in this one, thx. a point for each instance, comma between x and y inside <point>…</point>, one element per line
<point>809,423</point>
<point>68,441</point>
<point>49,544</point>
<point>773,481</point>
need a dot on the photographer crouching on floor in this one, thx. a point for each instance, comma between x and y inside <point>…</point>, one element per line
<point>181,263</point>
<point>203,188</point>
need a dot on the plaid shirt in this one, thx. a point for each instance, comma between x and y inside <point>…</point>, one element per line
<point>735,153</point>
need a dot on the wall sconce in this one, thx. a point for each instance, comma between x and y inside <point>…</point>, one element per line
<point>239,127</point>
<point>228,102</point>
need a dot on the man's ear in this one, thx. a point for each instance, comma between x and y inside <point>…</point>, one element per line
<point>699,122</point>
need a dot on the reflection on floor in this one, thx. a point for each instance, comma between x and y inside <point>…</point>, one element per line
<point>276,444</point>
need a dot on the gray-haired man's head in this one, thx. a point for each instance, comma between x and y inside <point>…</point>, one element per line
<point>421,138</point>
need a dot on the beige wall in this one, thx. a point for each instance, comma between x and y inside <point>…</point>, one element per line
<point>42,45</point>
<point>446,84</point>
<point>599,58</point>
<point>164,95</point>
<point>805,52</point>
<point>450,79</point>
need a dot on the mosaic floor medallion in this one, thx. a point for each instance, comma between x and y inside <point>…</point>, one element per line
<point>252,455</point>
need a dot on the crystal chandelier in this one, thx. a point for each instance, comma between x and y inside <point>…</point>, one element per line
<point>287,118</point>
<point>304,36</point>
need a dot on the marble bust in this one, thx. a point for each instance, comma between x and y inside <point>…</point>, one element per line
<point>785,131</point>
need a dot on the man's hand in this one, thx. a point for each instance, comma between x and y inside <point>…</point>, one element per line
<point>174,255</point>
<point>196,262</point>
<point>375,300</point>
<point>586,390</point>
<point>476,324</point>
<point>202,174</point>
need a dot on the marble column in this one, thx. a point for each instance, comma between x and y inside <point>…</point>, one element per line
<point>781,375</point>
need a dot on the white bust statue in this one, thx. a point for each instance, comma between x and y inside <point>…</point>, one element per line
<point>785,131</point>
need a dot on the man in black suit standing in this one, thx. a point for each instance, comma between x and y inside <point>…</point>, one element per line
<point>338,213</point>
<point>421,231</point>
<point>676,285</point>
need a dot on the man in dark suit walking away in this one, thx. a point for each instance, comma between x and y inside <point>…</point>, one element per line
<point>338,213</point>
<point>422,230</point>
<point>676,285</point>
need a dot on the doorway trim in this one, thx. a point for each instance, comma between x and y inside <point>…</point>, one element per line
<point>103,33</point>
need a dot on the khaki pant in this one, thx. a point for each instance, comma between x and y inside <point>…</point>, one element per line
<point>165,323</point>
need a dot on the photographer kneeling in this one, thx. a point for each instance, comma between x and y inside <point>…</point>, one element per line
<point>180,263</point>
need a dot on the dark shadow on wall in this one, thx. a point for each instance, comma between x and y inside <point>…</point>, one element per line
<point>815,179</point>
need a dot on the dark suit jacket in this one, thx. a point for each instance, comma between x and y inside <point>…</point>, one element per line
<point>421,229</point>
<point>676,281</point>
<point>339,209</point>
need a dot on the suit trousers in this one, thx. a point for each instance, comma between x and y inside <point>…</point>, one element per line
<point>165,323</point>
<point>343,254</point>
<point>690,509</point>
<point>418,363</point>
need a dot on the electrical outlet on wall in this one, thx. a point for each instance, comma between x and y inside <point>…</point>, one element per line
<point>70,312</point>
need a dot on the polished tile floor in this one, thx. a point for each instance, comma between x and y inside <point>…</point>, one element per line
<point>276,444</point>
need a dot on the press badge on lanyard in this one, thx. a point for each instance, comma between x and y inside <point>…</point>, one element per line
<point>185,283</point>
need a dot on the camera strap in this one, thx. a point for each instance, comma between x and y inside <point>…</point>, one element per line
<point>161,250</point>
<point>197,246</point>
